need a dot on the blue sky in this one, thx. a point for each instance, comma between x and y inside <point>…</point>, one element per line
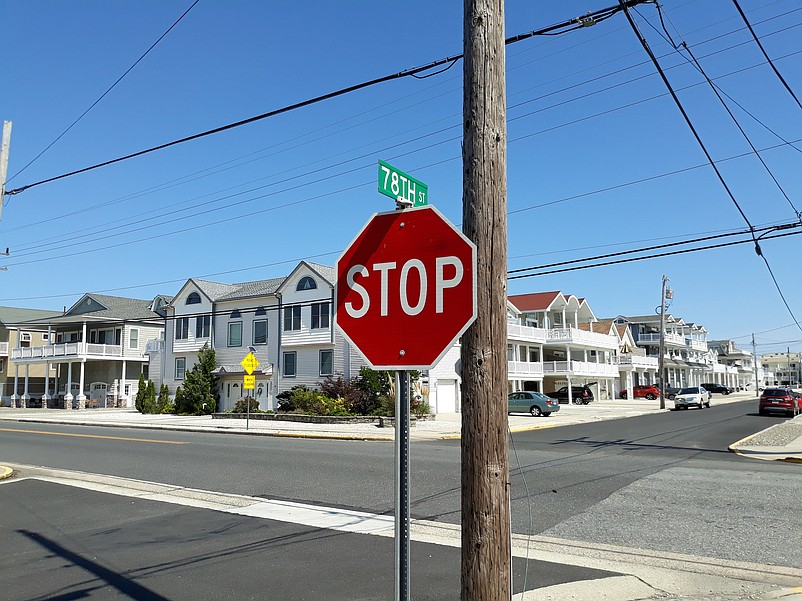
<point>586,113</point>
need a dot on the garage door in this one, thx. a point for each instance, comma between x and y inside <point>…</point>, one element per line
<point>446,396</point>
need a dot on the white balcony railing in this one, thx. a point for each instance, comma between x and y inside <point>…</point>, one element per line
<point>697,345</point>
<point>638,361</point>
<point>524,369</point>
<point>573,335</point>
<point>580,368</point>
<point>3,349</point>
<point>67,349</point>
<point>676,339</point>
<point>521,333</point>
<point>154,346</point>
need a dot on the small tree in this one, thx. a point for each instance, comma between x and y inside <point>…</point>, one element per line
<point>149,403</point>
<point>141,390</point>
<point>164,404</point>
<point>198,395</point>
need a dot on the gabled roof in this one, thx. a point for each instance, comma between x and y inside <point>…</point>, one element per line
<point>536,301</point>
<point>12,315</point>
<point>252,289</point>
<point>213,290</point>
<point>100,307</point>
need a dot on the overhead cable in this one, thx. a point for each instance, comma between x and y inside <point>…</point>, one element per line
<point>584,21</point>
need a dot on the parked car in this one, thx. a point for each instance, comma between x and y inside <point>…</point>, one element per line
<point>671,392</point>
<point>532,402</point>
<point>695,396</point>
<point>581,395</point>
<point>717,388</point>
<point>648,391</point>
<point>780,400</point>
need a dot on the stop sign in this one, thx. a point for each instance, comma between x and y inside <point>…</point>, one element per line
<point>406,288</point>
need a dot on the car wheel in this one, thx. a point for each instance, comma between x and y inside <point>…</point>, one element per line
<point>535,411</point>
<point>577,401</point>
<point>650,396</point>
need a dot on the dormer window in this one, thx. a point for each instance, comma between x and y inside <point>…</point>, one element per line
<point>306,283</point>
<point>193,299</point>
<point>235,314</point>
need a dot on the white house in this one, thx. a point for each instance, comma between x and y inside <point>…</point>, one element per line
<point>92,354</point>
<point>287,322</point>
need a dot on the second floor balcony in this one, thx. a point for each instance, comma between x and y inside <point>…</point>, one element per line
<point>632,361</point>
<point>524,369</point>
<point>67,350</point>
<point>669,339</point>
<point>580,368</point>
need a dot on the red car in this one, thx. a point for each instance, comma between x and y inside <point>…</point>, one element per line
<point>780,400</point>
<point>649,391</point>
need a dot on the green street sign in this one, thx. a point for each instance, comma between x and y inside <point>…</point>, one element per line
<point>401,187</point>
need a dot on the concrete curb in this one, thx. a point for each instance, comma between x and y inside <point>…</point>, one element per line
<point>5,472</point>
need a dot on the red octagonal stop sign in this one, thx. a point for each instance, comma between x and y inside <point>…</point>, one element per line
<point>406,288</point>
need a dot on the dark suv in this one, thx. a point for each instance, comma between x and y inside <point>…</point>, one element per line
<point>581,395</point>
<point>717,388</point>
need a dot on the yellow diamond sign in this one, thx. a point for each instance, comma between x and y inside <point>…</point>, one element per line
<point>249,363</point>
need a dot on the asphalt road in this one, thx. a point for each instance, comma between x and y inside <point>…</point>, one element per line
<point>663,482</point>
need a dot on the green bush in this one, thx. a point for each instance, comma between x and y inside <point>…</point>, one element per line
<point>141,391</point>
<point>164,404</point>
<point>242,406</point>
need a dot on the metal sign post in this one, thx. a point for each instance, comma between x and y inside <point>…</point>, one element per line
<point>402,485</point>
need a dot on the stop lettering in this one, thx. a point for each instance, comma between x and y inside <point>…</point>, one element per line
<point>406,289</point>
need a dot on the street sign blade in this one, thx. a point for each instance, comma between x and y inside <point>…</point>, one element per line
<point>402,187</point>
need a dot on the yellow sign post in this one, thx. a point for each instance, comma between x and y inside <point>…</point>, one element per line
<point>249,382</point>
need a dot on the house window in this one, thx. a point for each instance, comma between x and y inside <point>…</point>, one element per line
<point>193,299</point>
<point>203,326</point>
<point>235,333</point>
<point>292,318</point>
<point>182,328</point>
<point>320,315</point>
<point>326,363</point>
<point>260,331</point>
<point>306,283</point>
<point>180,367</point>
<point>133,339</point>
<point>146,371</point>
<point>92,336</point>
<point>290,364</point>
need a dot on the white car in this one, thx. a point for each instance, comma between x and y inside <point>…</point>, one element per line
<point>696,396</point>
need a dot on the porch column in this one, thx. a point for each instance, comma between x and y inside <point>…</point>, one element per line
<point>15,396</point>
<point>83,337</point>
<point>25,395</point>
<point>46,395</point>
<point>122,398</point>
<point>629,385</point>
<point>68,396</point>
<point>81,398</point>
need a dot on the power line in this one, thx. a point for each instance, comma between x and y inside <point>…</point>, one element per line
<point>587,20</point>
<point>654,256</point>
<point>715,89</point>
<point>763,50</point>
<point>156,188</point>
<point>102,96</point>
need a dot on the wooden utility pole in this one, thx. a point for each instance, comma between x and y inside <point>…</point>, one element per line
<point>5,143</point>
<point>662,346</point>
<point>485,457</point>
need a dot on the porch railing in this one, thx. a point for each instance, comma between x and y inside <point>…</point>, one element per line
<point>585,368</point>
<point>67,349</point>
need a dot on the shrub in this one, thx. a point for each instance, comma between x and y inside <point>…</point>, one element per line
<point>141,391</point>
<point>164,404</point>
<point>242,405</point>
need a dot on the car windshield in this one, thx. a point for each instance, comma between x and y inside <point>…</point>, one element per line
<point>689,391</point>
